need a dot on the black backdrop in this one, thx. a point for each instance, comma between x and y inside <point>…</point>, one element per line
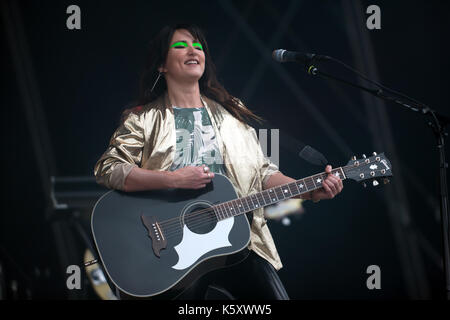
<point>84,78</point>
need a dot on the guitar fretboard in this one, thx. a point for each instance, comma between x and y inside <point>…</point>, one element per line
<point>273,195</point>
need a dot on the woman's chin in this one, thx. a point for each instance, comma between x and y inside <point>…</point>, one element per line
<point>193,76</point>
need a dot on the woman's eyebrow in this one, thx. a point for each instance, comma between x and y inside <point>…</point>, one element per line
<point>185,41</point>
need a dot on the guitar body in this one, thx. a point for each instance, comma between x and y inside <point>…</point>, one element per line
<point>189,243</point>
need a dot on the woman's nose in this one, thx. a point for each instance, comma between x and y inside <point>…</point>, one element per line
<point>191,49</point>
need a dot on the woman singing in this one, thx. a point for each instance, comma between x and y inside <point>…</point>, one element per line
<point>186,128</point>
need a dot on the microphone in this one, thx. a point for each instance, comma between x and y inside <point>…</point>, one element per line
<point>281,55</point>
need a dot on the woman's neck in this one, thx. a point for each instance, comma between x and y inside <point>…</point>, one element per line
<point>184,96</point>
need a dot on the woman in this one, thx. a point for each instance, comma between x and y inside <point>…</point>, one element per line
<point>211,136</point>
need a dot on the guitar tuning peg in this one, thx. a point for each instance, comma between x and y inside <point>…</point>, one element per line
<point>386,180</point>
<point>364,184</point>
<point>354,158</point>
<point>374,153</point>
<point>364,156</point>
<point>375,183</point>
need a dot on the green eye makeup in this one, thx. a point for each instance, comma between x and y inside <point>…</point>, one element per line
<point>184,44</point>
<point>179,43</point>
<point>198,45</point>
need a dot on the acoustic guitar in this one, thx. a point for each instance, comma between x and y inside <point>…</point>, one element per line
<point>156,243</point>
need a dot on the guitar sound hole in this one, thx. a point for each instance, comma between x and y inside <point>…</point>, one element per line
<point>200,222</point>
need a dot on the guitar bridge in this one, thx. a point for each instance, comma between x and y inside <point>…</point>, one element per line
<point>159,242</point>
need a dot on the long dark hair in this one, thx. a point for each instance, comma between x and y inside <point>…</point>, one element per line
<point>209,85</point>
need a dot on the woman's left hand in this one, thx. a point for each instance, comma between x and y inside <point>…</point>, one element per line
<point>331,186</point>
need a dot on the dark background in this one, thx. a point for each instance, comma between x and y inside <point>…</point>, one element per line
<point>63,92</point>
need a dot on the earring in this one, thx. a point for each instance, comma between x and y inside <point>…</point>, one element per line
<point>159,75</point>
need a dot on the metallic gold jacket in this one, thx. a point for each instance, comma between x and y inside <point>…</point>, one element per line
<point>147,139</point>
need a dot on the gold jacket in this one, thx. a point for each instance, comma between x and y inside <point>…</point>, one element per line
<point>147,139</point>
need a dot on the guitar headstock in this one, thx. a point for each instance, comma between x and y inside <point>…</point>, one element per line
<point>370,168</point>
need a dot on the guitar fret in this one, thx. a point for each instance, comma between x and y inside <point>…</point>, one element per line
<point>219,212</point>
<point>298,190</point>
<point>254,205</point>
<point>309,183</point>
<point>290,189</point>
<point>339,173</point>
<point>285,192</point>
<point>312,179</point>
<point>272,193</point>
<point>222,211</point>
<point>225,213</point>
<point>260,199</point>
<point>230,207</point>
<point>301,184</point>
<point>216,213</point>
<point>279,192</point>
<point>248,204</point>
<point>267,197</point>
<point>240,205</point>
<point>255,197</point>
<point>224,208</point>
<point>255,200</point>
<point>318,180</point>
<point>235,207</point>
<point>217,208</point>
<point>263,197</point>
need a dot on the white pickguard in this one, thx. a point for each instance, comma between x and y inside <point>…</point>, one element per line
<point>194,245</point>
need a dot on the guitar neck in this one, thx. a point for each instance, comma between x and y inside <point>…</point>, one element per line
<point>273,195</point>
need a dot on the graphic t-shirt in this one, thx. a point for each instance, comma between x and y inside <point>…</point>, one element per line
<point>196,140</point>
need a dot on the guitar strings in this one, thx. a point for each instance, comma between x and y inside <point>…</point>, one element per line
<point>204,219</point>
<point>202,222</point>
<point>197,215</point>
<point>204,216</point>
<point>166,222</point>
<point>196,220</point>
<point>207,218</point>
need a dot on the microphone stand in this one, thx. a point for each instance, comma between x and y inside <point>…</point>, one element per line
<point>437,124</point>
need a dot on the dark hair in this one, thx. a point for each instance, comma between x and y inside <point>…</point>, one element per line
<point>209,85</point>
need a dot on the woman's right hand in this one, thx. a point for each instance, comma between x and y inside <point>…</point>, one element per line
<point>192,177</point>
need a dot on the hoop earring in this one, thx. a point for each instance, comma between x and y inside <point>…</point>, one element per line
<point>156,81</point>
